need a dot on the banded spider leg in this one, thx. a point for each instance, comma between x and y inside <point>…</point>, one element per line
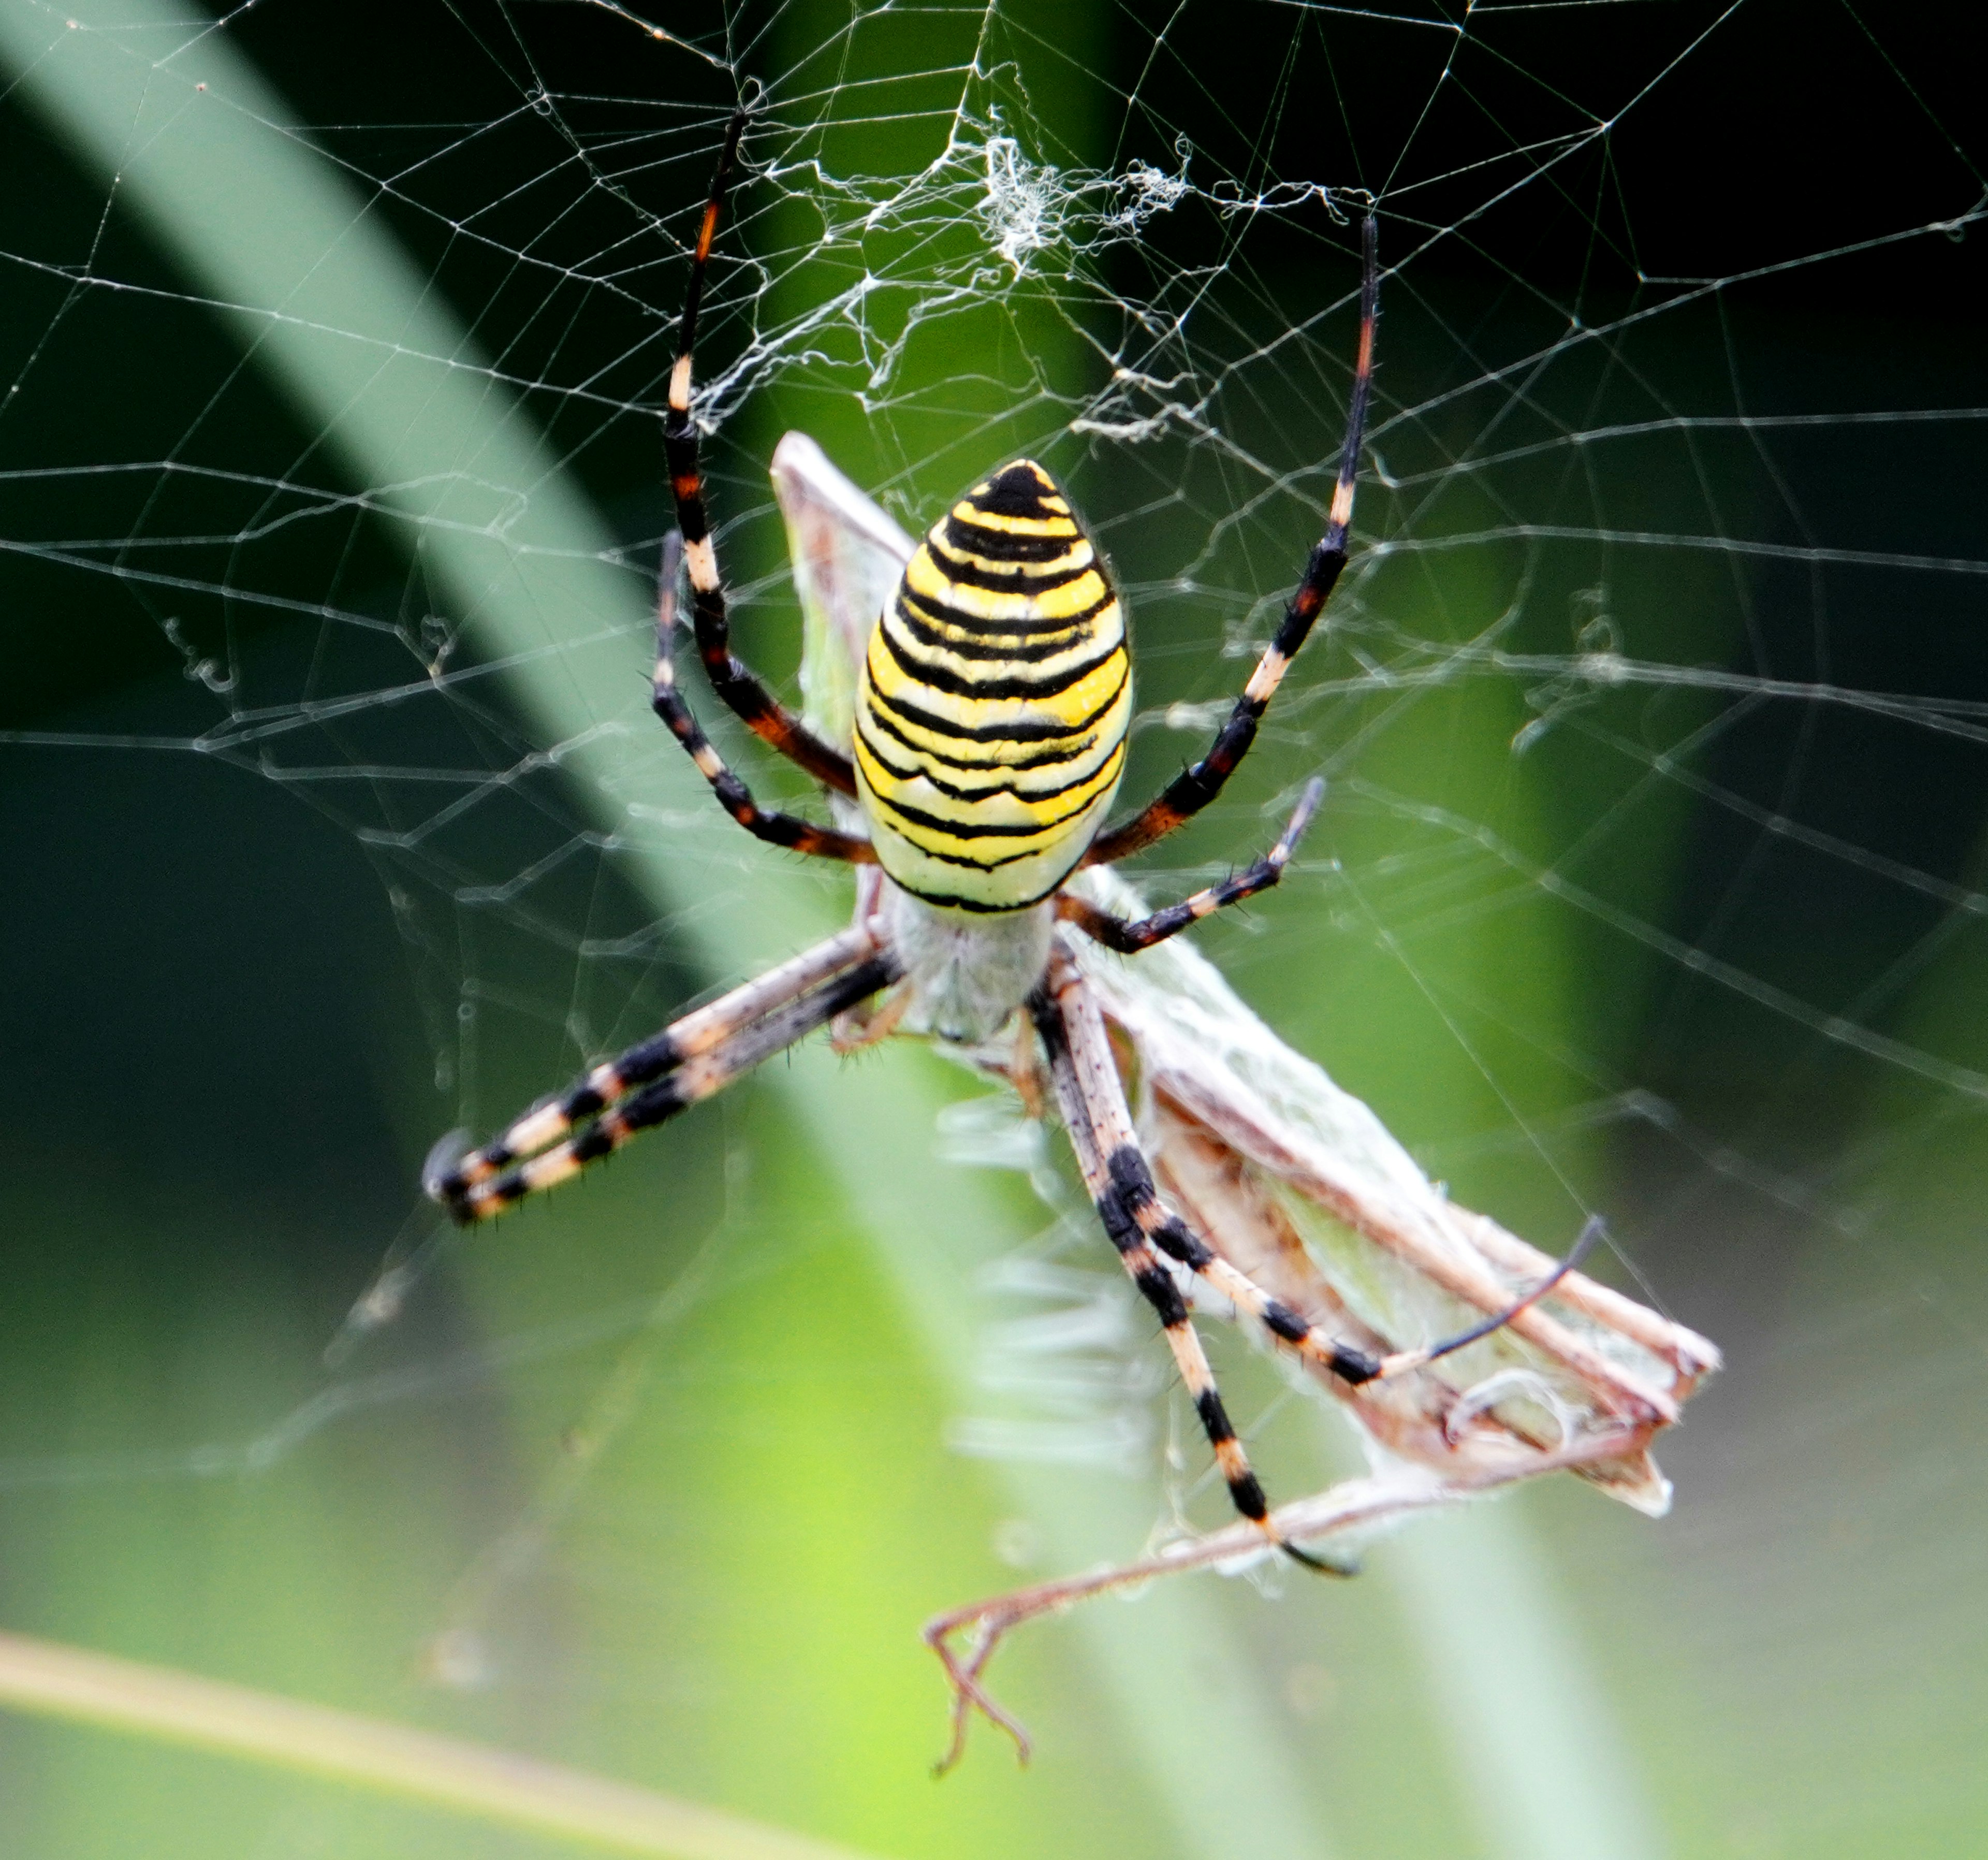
<point>689,1060</point>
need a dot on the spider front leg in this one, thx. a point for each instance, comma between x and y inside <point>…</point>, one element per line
<point>1194,788</point>
<point>740,688</point>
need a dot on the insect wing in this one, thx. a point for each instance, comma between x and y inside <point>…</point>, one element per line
<point>848,554</point>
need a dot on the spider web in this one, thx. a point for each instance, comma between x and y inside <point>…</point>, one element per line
<point>1647,881</point>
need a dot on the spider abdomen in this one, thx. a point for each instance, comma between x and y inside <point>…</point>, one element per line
<point>995,696</point>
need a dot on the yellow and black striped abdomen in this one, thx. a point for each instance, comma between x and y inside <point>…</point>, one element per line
<point>990,725</point>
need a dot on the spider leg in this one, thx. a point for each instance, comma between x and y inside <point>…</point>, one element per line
<point>1127,1179</point>
<point>689,1060</point>
<point>1094,1111</point>
<point>684,1038</point>
<point>776,829</point>
<point>1196,786</point>
<point>1129,938</point>
<point>757,707</point>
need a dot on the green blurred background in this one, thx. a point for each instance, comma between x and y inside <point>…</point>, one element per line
<point>654,1479</point>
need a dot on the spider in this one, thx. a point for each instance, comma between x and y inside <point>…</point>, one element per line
<point>991,717</point>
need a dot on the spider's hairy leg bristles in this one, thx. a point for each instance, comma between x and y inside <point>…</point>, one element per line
<point>740,688</point>
<point>689,1084</point>
<point>871,1024</point>
<point>1339,517</point>
<point>1129,938</point>
<point>686,1038</point>
<point>776,829</point>
<point>1198,785</point>
<point>1156,1286</point>
<point>1057,1008</point>
<point>707,232</point>
<point>702,559</point>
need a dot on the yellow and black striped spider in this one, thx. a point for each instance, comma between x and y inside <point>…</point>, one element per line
<point>990,722</point>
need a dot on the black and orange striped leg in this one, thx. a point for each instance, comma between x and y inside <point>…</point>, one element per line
<point>1090,1096</point>
<point>776,829</point>
<point>687,1063</point>
<point>1129,938</point>
<point>740,688</point>
<point>1195,787</point>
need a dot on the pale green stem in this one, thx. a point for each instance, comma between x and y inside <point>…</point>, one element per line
<point>1547,1769</point>
<point>57,1681</point>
